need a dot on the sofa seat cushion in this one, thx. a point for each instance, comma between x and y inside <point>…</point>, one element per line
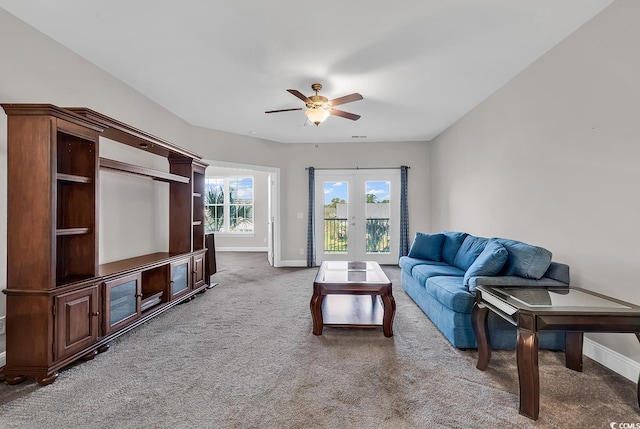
<point>512,281</point>
<point>407,263</point>
<point>427,246</point>
<point>525,260</point>
<point>452,242</point>
<point>488,263</point>
<point>423,272</point>
<point>469,250</point>
<point>451,292</point>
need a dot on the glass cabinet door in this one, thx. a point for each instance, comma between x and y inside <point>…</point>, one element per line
<point>180,277</point>
<point>122,303</point>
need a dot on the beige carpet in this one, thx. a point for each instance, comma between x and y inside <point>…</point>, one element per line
<point>242,355</point>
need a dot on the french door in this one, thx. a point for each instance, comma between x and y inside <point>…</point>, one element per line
<point>357,215</point>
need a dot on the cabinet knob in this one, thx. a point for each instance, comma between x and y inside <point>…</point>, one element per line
<point>95,313</point>
<point>138,295</point>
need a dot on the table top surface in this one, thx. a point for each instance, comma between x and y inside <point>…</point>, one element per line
<point>351,272</point>
<point>554,300</point>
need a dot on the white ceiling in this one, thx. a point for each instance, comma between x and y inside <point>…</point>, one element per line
<point>419,64</point>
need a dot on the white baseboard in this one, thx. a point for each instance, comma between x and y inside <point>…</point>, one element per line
<point>241,249</point>
<point>613,360</point>
<point>3,359</point>
<point>293,263</point>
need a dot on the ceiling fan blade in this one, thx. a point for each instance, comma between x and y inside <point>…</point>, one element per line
<point>346,99</point>
<point>344,114</point>
<point>283,110</point>
<point>300,95</point>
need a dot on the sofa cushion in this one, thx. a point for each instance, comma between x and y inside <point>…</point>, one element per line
<point>451,292</point>
<point>427,246</point>
<point>407,263</point>
<point>452,242</point>
<point>488,263</point>
<point>423,272</point>
<point>512,281</point>
<point>525,260</point>
<point>469,250</point>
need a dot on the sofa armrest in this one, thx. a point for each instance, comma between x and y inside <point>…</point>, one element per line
<point>558,271</point>
<point>511,281</point>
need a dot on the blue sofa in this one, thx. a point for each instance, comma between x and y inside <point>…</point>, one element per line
<point>442,271</point>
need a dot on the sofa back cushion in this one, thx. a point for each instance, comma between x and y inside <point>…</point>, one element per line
<point>525,260</point>
<point>427,246</point>
<point>469,250</point>
<point>488,263</point>
<point>452,242</point>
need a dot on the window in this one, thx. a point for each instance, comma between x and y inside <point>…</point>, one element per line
<point>229,204</point>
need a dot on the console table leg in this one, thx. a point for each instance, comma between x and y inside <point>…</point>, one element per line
<point>479,323</point>
<point>527,357</point>
<point>638,337</point>
<point>389,312</point>
<point>316,313</point>
<point>573,350</point>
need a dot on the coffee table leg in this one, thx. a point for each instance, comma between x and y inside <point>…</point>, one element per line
<point>573,350</point>
<point>527,357</point>
<point>389,312</point>
<point>479,323</point>
<point>316,313</point>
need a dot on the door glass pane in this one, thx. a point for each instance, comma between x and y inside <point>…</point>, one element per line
<point>336,207</point>
<point>123,302</point>
<point>180,277</point>
<point>377,215</point>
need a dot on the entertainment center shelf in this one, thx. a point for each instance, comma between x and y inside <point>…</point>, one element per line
<point>62,305</point>
<point>124,168</point>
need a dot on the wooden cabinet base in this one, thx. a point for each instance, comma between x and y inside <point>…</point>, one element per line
<point>103,348</point>
<point>43,381</point>
<point>15,379</point>
<point>90,356</point>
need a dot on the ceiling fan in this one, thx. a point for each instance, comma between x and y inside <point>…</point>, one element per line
<point>318,107</point>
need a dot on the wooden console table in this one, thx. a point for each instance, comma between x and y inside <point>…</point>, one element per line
<point>538,309</point>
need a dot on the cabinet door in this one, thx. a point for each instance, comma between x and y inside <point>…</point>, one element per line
<point>198,270</point>
<point>180,277</point>
<point>76,321</point>
<point>121,302</point>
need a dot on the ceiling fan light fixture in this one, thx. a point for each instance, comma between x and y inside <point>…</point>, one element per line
<point>317,115</point>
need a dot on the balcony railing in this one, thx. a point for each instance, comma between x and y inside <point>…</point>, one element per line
<point>335,235</point>
<point>377,235</point>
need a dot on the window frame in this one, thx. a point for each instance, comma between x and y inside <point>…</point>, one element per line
<point>227,205</point>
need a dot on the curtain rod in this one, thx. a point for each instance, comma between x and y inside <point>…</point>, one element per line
<point>358,168</point>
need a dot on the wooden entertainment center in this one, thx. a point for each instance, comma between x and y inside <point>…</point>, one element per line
<point>62,305</point>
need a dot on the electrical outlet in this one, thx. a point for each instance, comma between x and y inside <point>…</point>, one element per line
<point>301,251</point>
<point>2,325</point>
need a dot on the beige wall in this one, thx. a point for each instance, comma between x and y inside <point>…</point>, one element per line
<point>553,158</point>
<point>292,159</point>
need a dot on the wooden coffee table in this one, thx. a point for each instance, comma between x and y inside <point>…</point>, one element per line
<point>345,294</point>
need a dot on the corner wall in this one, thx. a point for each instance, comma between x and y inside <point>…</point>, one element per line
<point>553,159</point>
